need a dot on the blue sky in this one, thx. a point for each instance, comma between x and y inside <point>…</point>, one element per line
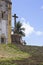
<point>30,13</point>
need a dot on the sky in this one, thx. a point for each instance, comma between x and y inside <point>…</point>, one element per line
<point>30,13</point>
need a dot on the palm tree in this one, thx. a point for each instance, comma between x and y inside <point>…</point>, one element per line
<point>19,30</point>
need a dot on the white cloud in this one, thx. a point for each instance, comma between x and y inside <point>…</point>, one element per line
<point>22,19</point>
<point>29,29</point>
<point>39,33</point>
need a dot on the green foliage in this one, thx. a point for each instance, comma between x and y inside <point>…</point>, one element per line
<point>19,29</point>
<point>9,62</point>
<point>12,54</point>
<point>36,55</point>
<point>11,51</point>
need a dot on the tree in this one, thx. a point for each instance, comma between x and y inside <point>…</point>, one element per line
<point>19,29</point>
<point>18,33</point>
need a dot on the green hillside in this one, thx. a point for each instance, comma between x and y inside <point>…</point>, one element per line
<point>16,54</point>
<point>11,52</point>
<point>36,54</point>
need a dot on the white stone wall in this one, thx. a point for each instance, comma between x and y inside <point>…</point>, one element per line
<point>4,20</point>
<point>4,29</point>
<point>3,6</point>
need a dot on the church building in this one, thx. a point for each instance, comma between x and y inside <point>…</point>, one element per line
<point>5,21</point>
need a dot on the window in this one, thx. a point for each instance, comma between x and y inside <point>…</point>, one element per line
<point>3,14</point>
<point>2,40</point>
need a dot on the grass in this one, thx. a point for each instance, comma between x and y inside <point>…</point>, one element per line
<point>13,54</point>
<point>11,51</point>
<point>36,54</point>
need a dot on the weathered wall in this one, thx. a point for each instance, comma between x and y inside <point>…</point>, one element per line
<point>5,22</point>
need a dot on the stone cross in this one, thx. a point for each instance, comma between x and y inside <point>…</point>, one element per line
<point>15,19</point>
